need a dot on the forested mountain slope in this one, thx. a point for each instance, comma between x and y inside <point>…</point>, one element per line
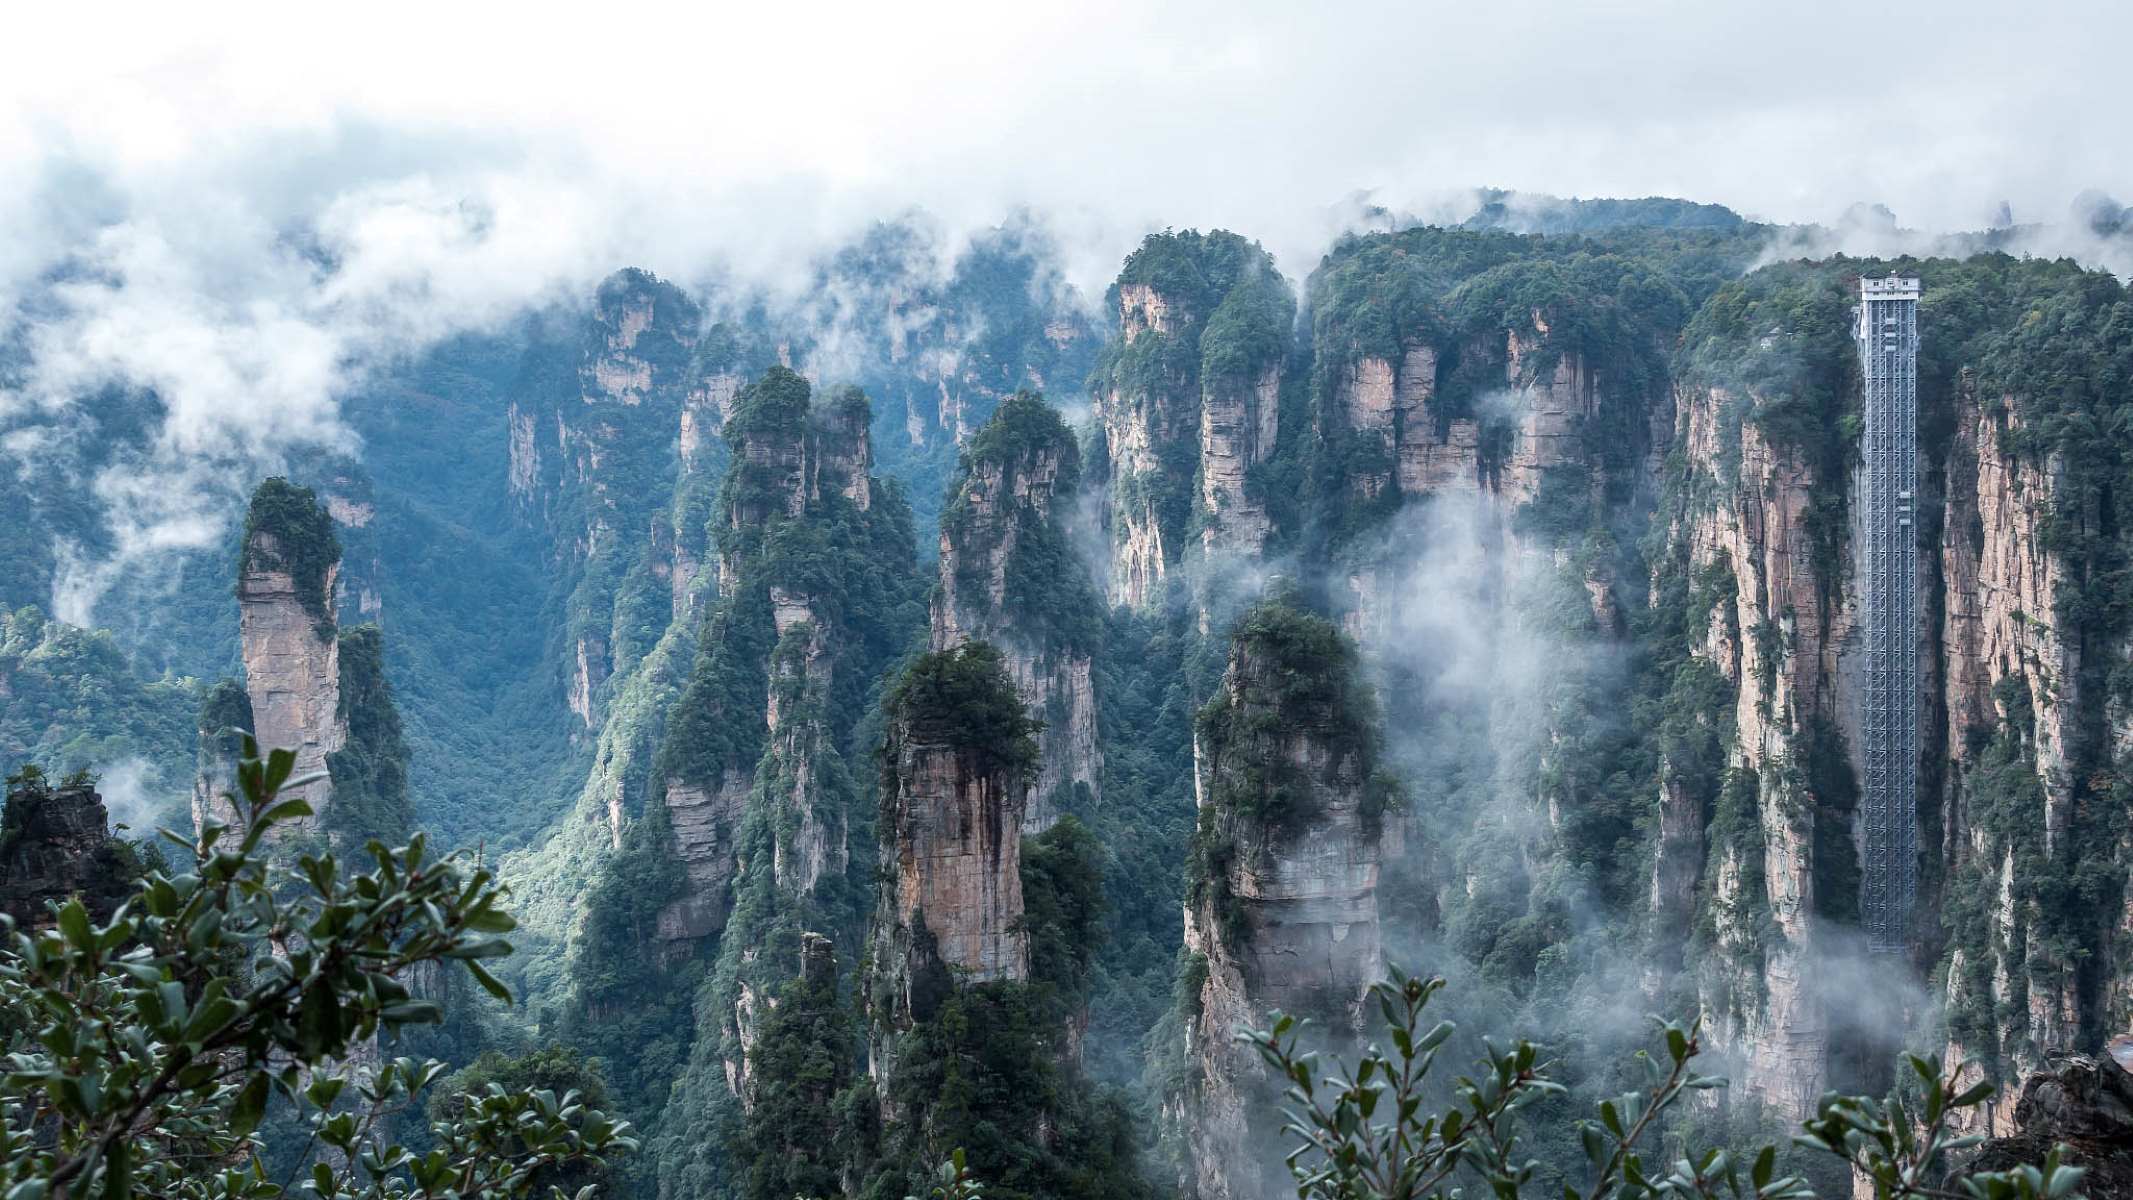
<point>884,764</point>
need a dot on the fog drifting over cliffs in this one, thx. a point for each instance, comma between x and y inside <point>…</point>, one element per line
<point>246,213</point>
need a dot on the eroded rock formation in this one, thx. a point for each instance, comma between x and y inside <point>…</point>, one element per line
<point>2081,1102</point>
<point>1775,634</point>
<point>1009,577</point>
<point>953,805</point>
<point>290,634</point>
<point>1190,391</point>
<point>55,844</point>
<point>591,439</point>
<point>1282,911</point>
<point>955,789</point>
<point>791,465</point>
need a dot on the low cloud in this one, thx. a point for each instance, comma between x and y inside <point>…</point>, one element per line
<point>244,220</point>
<point>134,797</point>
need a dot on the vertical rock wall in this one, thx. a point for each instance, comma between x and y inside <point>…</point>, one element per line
<point>1009,577</point>
<point>593,430</point>
<point>1282,911</point>
<point>55,845</point>
<point>291,642</point>
<point>1778,646</point>
<point>953,831</point>
<point>1188,399</point>
<point>956,763</point>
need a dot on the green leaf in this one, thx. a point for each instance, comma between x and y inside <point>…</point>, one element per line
<point>412,1012</point>
<point>74,924</point>
<point>278,765</point>
<point>287,810</point>
<point>489,983</point>
<point>489,920</point>
<point>251,1105</point>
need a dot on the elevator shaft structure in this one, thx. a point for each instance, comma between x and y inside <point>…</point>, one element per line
<point>1888,353</point>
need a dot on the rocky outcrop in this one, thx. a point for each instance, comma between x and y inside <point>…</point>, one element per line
<point>1239,427</point>
<point>952,813</point>
<point>1777,644</point>
<point>1522,458</point>
<point>523,476</point>
<point>774,462</point>
<point>1009,577</point>
<point>289,635</point>
<point>758,792</point>
<point>2003,586</point>
<point>1547,403</point>
<point>956,831</point>
<point>1189,392</point>
<point>2081,1103</point>
<point>55,844</point>
<point>1135,427</point>
<point>705,822</point>
<point>310,688</point>
<point>2009,674</point>
<point>1677,863</point>
<point>955,768</point>
<point>843,454</point>
<point>1555,402</point>
<point>812,846</point>
<point>591,440</point>
<point>790,460</point>
<point>1282,911</point>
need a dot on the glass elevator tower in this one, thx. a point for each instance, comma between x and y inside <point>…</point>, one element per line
<point>1888,354</point>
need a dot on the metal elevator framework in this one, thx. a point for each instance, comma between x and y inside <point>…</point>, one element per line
<point>1888,352</point>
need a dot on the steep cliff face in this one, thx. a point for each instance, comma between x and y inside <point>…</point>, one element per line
<point>2036,736</point>
<point>817,593</point>
<point>1282,910</point>
<point>1239,429</point>
<point>1534,410</point>
<point>2081,1102</point>
<point>1189,402</point>
<point>55,844</point>
<point>2003,586</point>
<point>310,687</point>
<point>1767,531</point>
<point>1528,456</point>
<point>2021,877</point>
<point>705,822</point>
<point>783,650</point>
<point>592,458</point>
<point>980,952</point>
<point>292,653</point>
<point>1009,577</point>
<point>955,790</point>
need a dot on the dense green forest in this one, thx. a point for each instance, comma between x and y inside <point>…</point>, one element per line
<point>636,601</point>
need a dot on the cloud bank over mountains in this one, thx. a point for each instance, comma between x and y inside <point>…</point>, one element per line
<point>245,213</point>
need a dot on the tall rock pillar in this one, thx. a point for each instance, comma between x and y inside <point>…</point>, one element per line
<point>1009,577</point>
<point>1282,910</point>
<point>291,644</point>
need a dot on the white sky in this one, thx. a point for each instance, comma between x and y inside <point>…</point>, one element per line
<point>775,119</point>
<point>458,161</point>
